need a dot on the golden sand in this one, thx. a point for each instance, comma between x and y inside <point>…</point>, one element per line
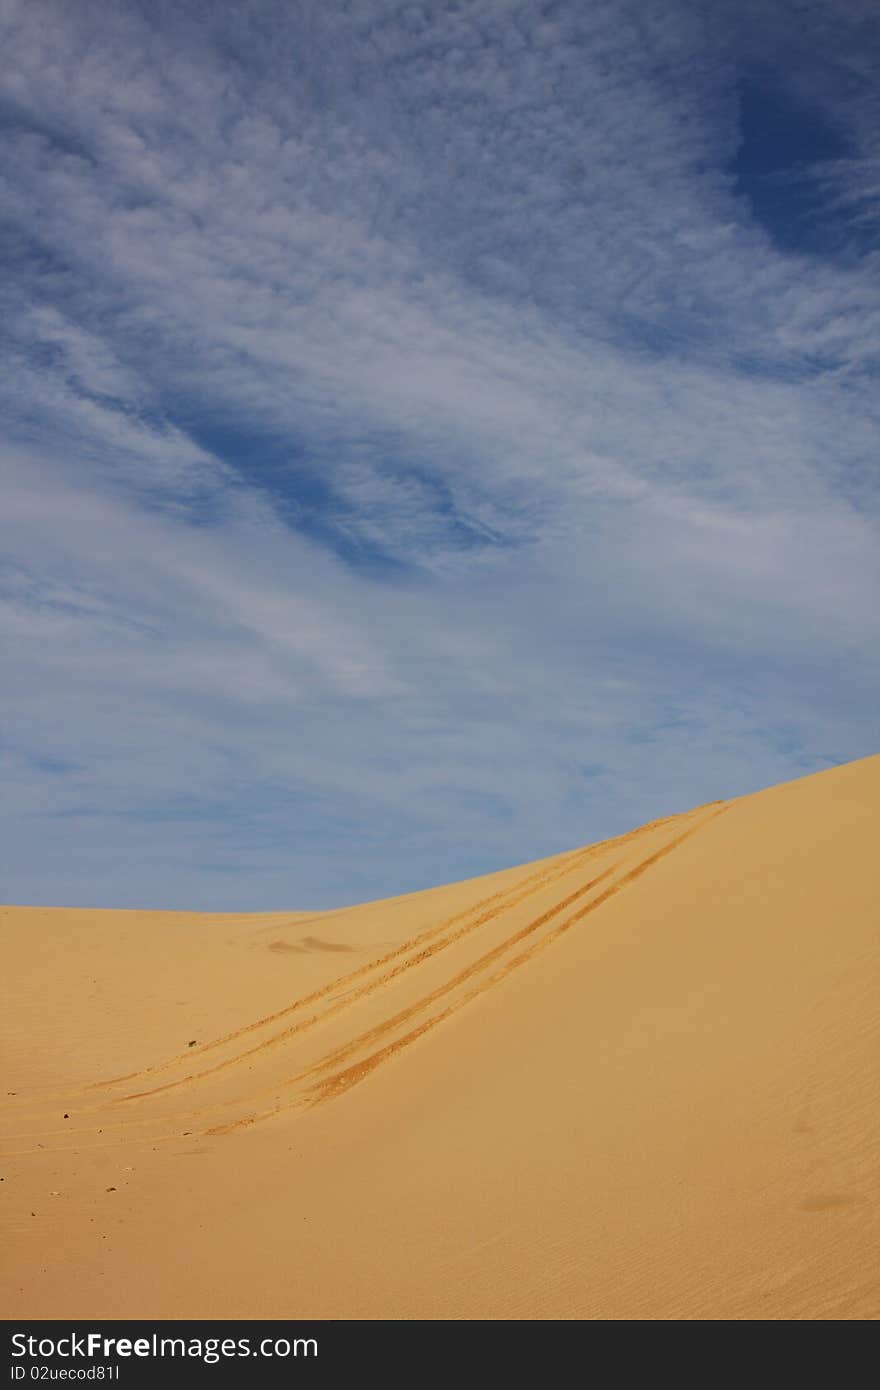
<point>638,1080</point>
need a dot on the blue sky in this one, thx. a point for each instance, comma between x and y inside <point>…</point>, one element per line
<point>434,435</point>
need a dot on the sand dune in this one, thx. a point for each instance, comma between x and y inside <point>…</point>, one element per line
<point>638,1080</point>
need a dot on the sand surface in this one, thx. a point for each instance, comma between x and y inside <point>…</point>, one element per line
<point>639,1080</point>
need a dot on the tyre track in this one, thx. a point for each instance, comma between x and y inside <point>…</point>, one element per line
<point>485,907</point>
<point>327,1088</point>
<point>341,1080</point>
<point>493,905</point>
<point>364,990</point>
<point>311,1085</point>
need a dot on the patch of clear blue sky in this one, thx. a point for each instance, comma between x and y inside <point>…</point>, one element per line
<point>785,142</point>
<point>297,474</point>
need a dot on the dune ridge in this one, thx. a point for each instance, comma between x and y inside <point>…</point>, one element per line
<point>637,1079</point>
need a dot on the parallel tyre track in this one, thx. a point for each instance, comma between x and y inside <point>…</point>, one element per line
<point>341,1067</point>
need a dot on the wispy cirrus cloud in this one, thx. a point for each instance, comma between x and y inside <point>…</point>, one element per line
<point>418,438</point>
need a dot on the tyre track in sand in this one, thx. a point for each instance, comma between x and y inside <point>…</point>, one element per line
<point>342,1066</point>
<point>341,1080</point>
<point>346,987</point>
<point>484,911</point>
<point>349,997</point>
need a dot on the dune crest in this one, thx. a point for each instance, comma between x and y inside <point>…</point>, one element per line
<point>637,1079</point>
